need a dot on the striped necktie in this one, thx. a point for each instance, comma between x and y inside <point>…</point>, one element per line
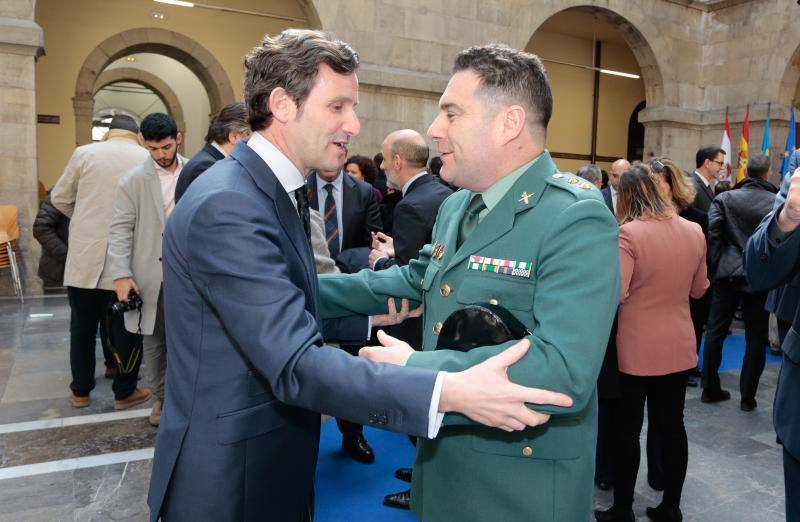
<point>331,222</point>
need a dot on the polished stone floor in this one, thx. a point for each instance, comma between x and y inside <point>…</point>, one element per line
<point>58,463</point>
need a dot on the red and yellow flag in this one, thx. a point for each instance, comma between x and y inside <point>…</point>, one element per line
<point>743,149</point>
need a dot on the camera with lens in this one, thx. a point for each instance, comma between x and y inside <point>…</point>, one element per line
<point>134,302</point>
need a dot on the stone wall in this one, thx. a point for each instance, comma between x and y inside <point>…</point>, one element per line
<point>21,41</point>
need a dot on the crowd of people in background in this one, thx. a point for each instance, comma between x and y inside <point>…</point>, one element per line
<point>682,236</point>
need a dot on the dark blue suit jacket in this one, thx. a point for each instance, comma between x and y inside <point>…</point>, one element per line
<point>247,369</point>
<point>360,216</point>
<point>769,265</point>
<point>200,163</point>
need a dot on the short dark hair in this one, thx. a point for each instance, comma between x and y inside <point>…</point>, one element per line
<point>758,166</point>
<point>367,167</point>
<point>590,173</point>
<point>231,118</point>
<point>124,122</point>
<point>291,61</point>
<point>413,153</point>
<point>435,165</point>
<point>511,76</point>
<point>706,152</point>
<point>158,126</point>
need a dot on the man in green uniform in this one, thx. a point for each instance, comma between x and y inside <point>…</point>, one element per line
<point>520,235</point>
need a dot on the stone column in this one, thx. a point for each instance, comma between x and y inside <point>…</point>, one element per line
<point>21,42</point>
<point>671,132</point>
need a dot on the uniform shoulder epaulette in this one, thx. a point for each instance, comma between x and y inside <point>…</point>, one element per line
<point>570,182</point>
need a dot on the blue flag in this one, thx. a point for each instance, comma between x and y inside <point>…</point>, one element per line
<point>791,141</point>
<point>765,141</point>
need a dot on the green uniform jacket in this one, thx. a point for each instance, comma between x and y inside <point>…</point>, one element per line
<point>470,472</point>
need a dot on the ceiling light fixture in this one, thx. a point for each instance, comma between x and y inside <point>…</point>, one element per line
<point>589,67</point>
<point>181,3</point>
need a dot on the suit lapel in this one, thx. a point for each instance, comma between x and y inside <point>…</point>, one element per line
<point>154,189</point>
<point>501,218</point>
<point>265,180</point>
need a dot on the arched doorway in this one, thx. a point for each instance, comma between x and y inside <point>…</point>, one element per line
<point>146,79</point>
<point>602,70</point>
<point>147,40</point>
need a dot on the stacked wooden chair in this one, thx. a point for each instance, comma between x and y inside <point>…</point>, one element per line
<point>9,235</point>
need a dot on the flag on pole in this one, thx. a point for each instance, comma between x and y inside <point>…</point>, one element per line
<point>725,174</point>
<point>743,148</point>
<point>765,141</point>
<point>791,145</point>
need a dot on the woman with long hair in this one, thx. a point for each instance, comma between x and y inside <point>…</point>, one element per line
<point>363,168</point>
<point>662,259</point>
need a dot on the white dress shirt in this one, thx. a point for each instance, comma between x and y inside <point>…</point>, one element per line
<point>291,179</point>
<point>168,181</point>
<point>322,194</point>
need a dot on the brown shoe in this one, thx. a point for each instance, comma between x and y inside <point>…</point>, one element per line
<point>78,402</point>
<point>138,396</point>
<point>155,414</point>
<point>109,373</point>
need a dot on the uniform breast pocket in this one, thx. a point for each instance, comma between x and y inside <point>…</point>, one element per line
<point>498,290</point>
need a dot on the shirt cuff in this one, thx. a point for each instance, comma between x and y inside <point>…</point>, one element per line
<point>378,261</point>
<point>435,417</point>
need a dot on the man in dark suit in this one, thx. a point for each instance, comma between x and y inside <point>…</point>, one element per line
<point>351,214</point>
<point>226,129</point>
<point>405,155</point>
<point>610,192</point>
<point>772,258</point>
<point>709,161</point>
<point>247,367</point>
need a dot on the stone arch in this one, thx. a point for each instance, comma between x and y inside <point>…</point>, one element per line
<point>790,79</point>
<point>147,40</point>
<point>634,26</point>
<point>149,80</point>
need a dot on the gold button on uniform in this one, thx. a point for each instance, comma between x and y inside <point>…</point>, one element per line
<point>437,328</point>
<point>494,302</point>
<point>527,451</point>
<point>445,290</point>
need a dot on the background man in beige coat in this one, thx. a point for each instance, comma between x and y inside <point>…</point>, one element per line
<point>85,193</point>
<point>145,198</point>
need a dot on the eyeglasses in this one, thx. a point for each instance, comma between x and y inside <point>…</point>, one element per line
<point>720,163</point>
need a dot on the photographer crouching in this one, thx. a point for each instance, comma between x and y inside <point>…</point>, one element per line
<point>145,198</point>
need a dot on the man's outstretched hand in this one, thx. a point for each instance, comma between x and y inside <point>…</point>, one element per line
<point>486,395</point>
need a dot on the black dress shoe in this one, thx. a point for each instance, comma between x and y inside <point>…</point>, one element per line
<point>400,500</point>
<point>712,395</point>
<point>403,474</point>
<point>359,449</point>
<point>748,404</point>
<point>662,514</point>
<point>615,514</point>
<point>691,382</point>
